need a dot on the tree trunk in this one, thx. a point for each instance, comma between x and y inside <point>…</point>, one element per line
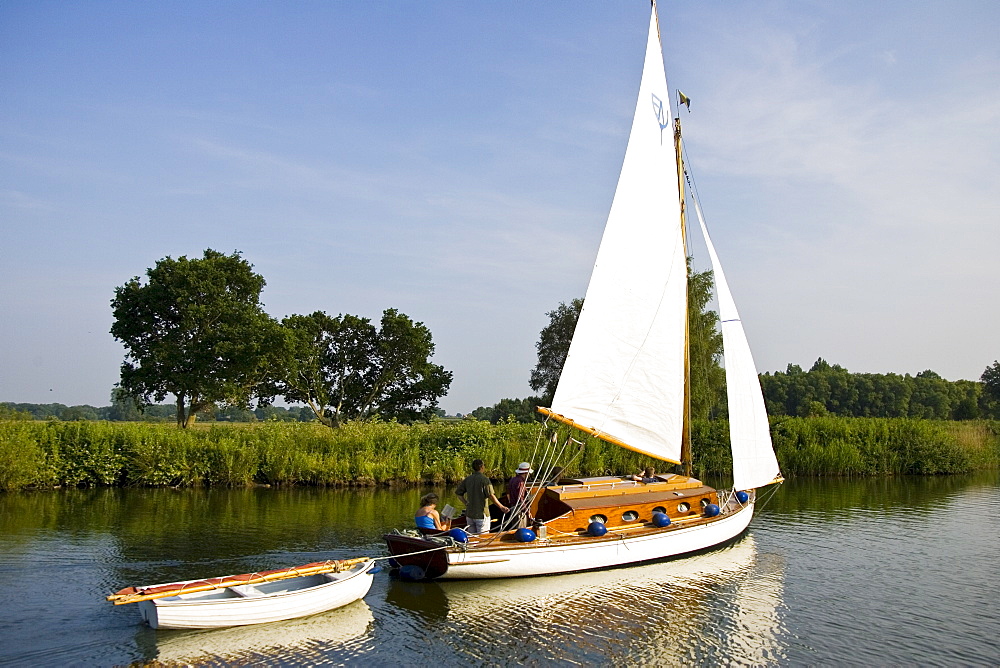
<point>318,412</point>
<point>184,418</point>
<point>196,406</point>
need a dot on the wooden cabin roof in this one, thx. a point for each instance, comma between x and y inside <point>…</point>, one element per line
<point>632,497</point>
<point>610,486</point>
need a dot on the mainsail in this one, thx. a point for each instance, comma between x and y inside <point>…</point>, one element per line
<point>754,462</point>
<point>624,373</point>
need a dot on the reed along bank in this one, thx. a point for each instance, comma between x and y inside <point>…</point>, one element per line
<point>36,454</point>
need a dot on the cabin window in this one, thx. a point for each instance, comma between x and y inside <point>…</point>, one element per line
<point>599,518</point>
<point>630,516</point>
<point>683,507</point>
<point>660,509</point>
<point>704,503</point>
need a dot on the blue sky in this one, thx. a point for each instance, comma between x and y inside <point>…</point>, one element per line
<point>456,161</point>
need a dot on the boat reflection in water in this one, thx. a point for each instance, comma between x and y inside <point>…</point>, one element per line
<point>303,640</point>
<point>722,605</point>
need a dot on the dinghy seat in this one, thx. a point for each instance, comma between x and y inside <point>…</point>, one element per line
<point>246,591</point>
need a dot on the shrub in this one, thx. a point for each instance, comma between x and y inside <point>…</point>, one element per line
<point>36,453</point>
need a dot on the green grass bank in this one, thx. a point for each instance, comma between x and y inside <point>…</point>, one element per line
<point>35,454</point>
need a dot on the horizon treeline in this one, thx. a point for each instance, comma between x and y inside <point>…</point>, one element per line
<point>824,390</point>
<point>830,389</point>
<point>127,412</point>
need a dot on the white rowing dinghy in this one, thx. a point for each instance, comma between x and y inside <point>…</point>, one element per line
<point>252,598</point>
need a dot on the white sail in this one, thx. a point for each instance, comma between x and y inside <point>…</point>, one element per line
<point>754,463</point>
<point>624,373</point>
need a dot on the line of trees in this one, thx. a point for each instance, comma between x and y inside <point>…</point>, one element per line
<point>196,330</point>
<point>126,411</point>
<point>830,389</point>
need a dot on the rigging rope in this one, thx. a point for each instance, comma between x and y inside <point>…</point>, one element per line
<point>537,484</point>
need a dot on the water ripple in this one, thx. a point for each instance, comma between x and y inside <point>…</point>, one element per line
<point>832,572</point>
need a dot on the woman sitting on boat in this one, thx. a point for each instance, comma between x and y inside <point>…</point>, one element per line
<point>428,517</point>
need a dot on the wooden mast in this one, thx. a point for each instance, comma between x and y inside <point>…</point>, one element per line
<point>686,458</point>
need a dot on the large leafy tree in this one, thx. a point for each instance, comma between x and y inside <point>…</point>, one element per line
<point>991,390</point>
<point>346,368</point>
<point>194,329</point>
<point>707,377</point>
<point>553,346</point>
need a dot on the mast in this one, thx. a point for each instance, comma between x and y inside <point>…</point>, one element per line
<point>686,456</point>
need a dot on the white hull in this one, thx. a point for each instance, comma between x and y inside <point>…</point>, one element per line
<point>595,589</point>
<point>256,604</point>
<point>566,558</point>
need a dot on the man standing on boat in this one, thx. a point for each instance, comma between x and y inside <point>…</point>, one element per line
<point>478,488</point>
<point>517,491</point>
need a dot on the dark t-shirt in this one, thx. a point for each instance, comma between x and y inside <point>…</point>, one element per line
<point>476,489</point>
<point>515,490</point>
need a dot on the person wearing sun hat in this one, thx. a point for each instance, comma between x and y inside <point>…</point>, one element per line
<point>517,489</point>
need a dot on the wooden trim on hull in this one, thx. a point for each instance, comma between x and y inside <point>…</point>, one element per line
<point>137,594</point>
<point>477,562</point>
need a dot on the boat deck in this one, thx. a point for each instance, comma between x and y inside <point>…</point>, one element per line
<point>508,540</point>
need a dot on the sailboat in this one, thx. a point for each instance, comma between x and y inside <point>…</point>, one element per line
<point>625,382</point>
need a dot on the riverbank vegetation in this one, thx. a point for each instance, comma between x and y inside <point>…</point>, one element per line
<point>36,454</point>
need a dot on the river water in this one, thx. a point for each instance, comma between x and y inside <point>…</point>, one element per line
<point>891,571</point>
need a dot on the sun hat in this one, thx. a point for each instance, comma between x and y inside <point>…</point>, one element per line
<point>525,467</point>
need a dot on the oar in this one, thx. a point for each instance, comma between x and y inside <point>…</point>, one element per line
<point>136,594</point>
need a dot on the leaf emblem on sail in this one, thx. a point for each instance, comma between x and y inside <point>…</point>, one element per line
<point>661,116</point>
